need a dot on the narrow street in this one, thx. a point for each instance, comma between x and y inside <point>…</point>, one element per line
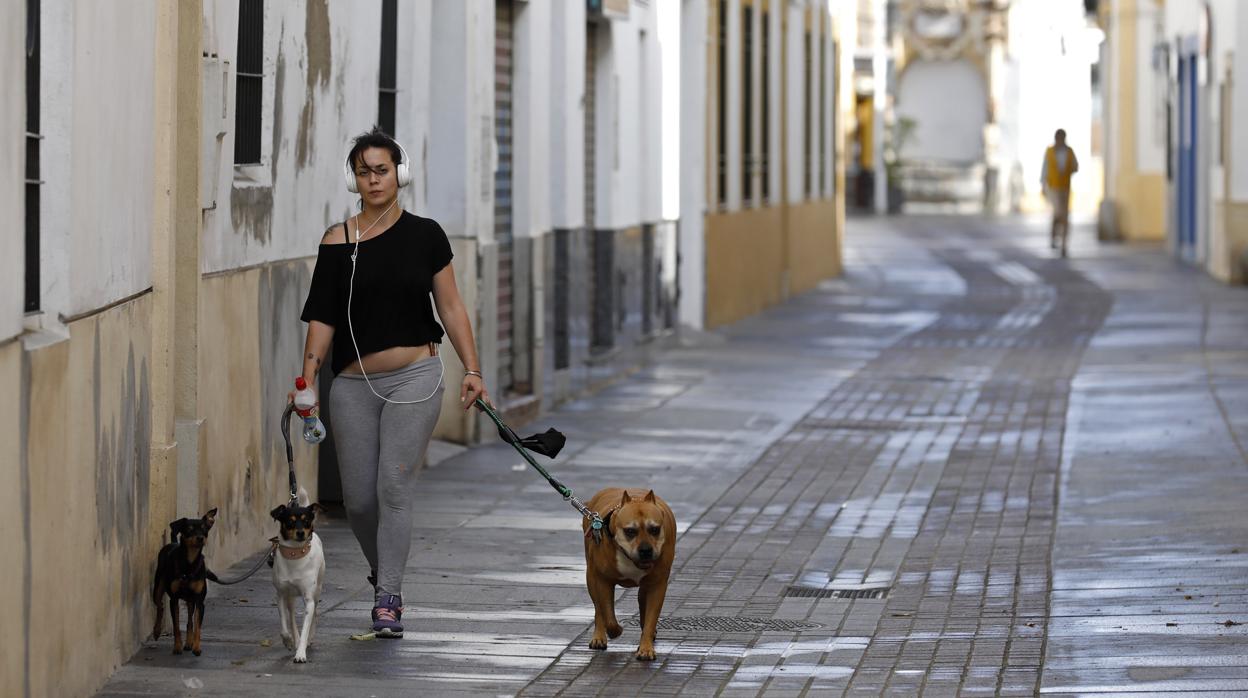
<point>964,467</point>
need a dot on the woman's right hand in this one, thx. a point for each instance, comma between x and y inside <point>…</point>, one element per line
<point>290,397</point>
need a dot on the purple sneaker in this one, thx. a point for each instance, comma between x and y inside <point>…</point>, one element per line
<point>387,613</point>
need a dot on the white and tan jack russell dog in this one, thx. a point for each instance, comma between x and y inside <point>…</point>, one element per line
<point>298,572</point>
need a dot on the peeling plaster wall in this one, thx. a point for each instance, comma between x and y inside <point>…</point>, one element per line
<point>250,347</point>
<point>104,129</point>
<point>14,513</point>
<point>321,71</point>
<point>97,507</point>
<point>12,167</point>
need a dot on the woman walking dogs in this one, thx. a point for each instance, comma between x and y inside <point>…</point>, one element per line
<point>370,300</point>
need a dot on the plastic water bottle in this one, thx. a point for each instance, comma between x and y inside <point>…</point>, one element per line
<point>306,407</point>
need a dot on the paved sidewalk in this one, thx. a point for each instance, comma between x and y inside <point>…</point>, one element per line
<point>965,467</point>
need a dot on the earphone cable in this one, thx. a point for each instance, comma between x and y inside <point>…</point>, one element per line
<point>351,327</point>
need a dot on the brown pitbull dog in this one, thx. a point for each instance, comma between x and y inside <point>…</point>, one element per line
<point>636,550</point>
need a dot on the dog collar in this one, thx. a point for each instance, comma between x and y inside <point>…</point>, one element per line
<point>295,553</point>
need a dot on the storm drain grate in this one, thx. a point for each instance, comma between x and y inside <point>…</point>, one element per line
<point>834,593</point>
<point>727,624</point>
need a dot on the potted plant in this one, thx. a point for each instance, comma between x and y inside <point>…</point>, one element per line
<point>900,131</point>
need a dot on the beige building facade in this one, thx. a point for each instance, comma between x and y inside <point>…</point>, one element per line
<point>766,219</point>
<point>1176,158</point>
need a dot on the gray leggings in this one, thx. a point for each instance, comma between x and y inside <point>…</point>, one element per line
<point>380,448</point>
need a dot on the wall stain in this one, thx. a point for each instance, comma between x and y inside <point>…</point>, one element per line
<point>27,583</point>
<point>123,484</point>
<point>320,65</point>
<point>283,288</point>
<point>251,212</point>
<point>123,456</point>
<point>280,90</point>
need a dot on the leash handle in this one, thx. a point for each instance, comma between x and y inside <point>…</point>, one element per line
<point>290,451</point>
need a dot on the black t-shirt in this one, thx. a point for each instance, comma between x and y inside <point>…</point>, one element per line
<point>391,305</point>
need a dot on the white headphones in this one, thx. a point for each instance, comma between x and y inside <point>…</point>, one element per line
<point>401,169</point>
<point>404,179</point>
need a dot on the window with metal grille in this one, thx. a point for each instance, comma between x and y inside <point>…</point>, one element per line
<point>823,107</point>
<point>31,303</point>
<point>388,85</point>
<point>747,104</point>
<point>806,143</point>
<point>249,91</point>
<point>721,150</point>
<point>764,158</point>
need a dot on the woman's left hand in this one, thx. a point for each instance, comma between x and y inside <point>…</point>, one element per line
<point>471,389</point>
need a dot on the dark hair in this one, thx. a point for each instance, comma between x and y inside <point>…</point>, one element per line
<point>1061,133</point>
<point>375,138</point>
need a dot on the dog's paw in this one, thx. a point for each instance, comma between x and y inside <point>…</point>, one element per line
<point>196,652</point>
<point>614,630</point>
<point>598,643</point>
<point>186,647</point>
<point>301,657</point>
<point>177,649</point>
<point>645,653</point>
<point>288,640</point>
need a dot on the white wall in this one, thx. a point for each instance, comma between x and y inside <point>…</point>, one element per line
<point>694,160</point>
<point>462,152</point>
<point>948,101</point>
<point>1150,94</point>
<point>96,114</point>
<point>1230,34</point>
<point>531,103</point>
<point>1239,133</point>
<point>1051,51</point>
<point>12,166</point>
<point>413,107</point>
<point>567,114</point>
<point>321,72</point>
<point>628,166</point>
<point>650,178</point>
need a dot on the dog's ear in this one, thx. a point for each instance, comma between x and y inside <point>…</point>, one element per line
<point>278,512</point>
<point>176,528</point>
<point>649,497</point>
<point>316,508</point>
<point>211,517</point>
<point>625,499</point>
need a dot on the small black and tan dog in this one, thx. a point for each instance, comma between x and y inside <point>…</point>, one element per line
<point>182,575</point>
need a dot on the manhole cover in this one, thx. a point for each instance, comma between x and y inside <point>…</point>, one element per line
<point>834,593</point>
<point>727,624</point>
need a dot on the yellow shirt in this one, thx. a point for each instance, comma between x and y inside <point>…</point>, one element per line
<point>1056,173</point>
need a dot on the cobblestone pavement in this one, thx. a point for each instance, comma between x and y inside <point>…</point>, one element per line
<point>966,467</point>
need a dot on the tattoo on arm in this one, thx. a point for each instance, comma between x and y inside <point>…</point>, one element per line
<point>313,357</point>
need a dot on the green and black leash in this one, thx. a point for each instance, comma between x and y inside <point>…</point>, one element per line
<point>548,444</point>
